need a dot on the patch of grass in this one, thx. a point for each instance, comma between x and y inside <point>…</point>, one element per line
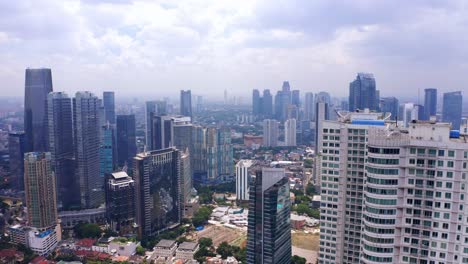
<point>306,241</point>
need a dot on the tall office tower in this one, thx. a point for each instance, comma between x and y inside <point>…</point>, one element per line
<point>343,148</point>
<point>323,97</point>
<point>296,98</point>
<point>290,132</point>
<point>87,145</point>
<point>155,108</point>
<point>321,114</point>
<point>286,87</point>
<point>270,133</point>
<point>182,129</point>
<point>162,132</point>
<point>16,147</point>
<point>267,104</point>
<point>120,201</point>
<point>185,180</point>
<point>256,102</point>
<point>269,227</point>
<point>198,152</point>
<point>39,186</point>
<point>409,112</point>
<point>452,108</point>
<point>126,140</point>
<point>211,153</point>
<point>430,103</point>
<point>60,127</point>
<point>186,103</point>
<point>292,112</point>
<point>157,185</point>
<point>390,105</point>
<point>344,105</point>
<point>309,107</point>
<point>224,153</point>
<point>109,107</point>
<point>38,84</point>
<point>107,151</point>
<point>199,103</point>
<point>362,93</point>
<point>419,112</point>
<point>243,179</point>
<point>282,101</point>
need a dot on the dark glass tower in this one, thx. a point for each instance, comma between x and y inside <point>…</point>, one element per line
<point>256,105</point>
<point>60,127</point>
<point>162,132</point>
<point>186,103</point>
<point>126,140</point>
<point>120,201</point>
<point>296,98</point>
<point>38,83</point>
<point>153,108</point>
<point>109,107</point>
<point>430,103</point>
<point>390,105</point>
<point>362,93</point>
<point>269,227</point>
<point>158,190</point>
<point>87,148</point>
<point>267,104</point>
<point>16,146</point>
<point>452,109</point>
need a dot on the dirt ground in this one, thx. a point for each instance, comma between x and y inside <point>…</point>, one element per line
<point>306,241</point>
<point>220,234</point>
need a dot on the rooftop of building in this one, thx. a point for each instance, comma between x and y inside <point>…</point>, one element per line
<point>119,175</point>
<point>188,246</point>
<point>166,243</point>
<point>85,242</point>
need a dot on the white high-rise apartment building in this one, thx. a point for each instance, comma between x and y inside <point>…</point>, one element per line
<point>392,194</point>
<point>242,179</point>
<point>290,132</point>
<point>270,133</point>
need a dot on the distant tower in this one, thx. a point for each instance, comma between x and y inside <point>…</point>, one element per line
<point>87,143</point>
<point>296,98</point>
<point>267,104</point>
<point>243,179</point>
<point>153,108</point>
<point>39,184</point>
<point>322,113</point>
<point>430,103</point>
<point>120,201</point>
<point>109,107</point>
<point>256,105</point>
<point>270,133</point>
<point>126,140</point>
<point>269,227</point>
<point>186,103</point>
<point>309,107</point>
<point>38,84</point>
<point>16,149</point>
<point>362,93</point>
<point>290,132</point>
<point>390,105</point>
<point>225,97</point>
<point>452,109</point>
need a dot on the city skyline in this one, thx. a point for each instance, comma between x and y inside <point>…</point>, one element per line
<point>233,46</point>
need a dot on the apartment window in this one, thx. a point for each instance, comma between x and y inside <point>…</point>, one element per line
<point>450,164</point>
<point>441,153</point>
<point>412,151</point>
<point>440,163</point>
<point>451,153</point>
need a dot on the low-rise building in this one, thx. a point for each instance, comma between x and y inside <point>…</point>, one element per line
<point>17,234</point>
<point>127,248</point>
<point>43,243</point>
<point>165,248</point>
<point>186,250</point>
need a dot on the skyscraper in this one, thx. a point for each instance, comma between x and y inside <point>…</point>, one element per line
<point>362,93</point>
<point>452,108</point>
<point>126,140</point>
<point>309,107</point>
<point>186,103</point>
<point>60,127</point>
<point>162,132</point>
<point>269,227</point>
<point>296,98</point>
<point>120,201</point>
<point>270,133</point>
<point>16,147</point>
<point>87,145</point>
<point>39,186</point>
<point>290,132</point>
<point>342,147</point>
<point>157,185</point>
<point>224,153</point>
<point>430,103</point>
<point>390,105</point>
<point>243,179</point>
<point>267,104</point>
<point>282,101</point>
<point>107,151</point>
<point>38,84</point>
<point>182,128</point>
<point>186,184</point>
<point>256,102</point>
<point>155,108</point>
<point>286,87</point>
<point>321,114</point>
<point>109,107</point>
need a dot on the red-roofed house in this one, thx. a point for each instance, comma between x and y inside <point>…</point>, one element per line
<point>85,244</point>
<point>11,256</point>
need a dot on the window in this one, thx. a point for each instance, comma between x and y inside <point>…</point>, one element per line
<point>451,153</point>
<point>441,153</point>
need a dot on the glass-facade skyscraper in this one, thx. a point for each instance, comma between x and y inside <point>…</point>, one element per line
<point>16,149</point>
<point>430,103</point>
<point>390,105</point>
<point>186,103</point>
<point>38,83</point>
<point>157,181</point>
<point>452,108</point>
<point>269,227</point>
<point>362,93</point>
<point>109,107</point>
<point>126,139</point>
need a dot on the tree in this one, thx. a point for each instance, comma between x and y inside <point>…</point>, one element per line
<point>224,249</point>
<point>298,260</point>
<point>140,251</point>
<point>310,189</point>
<point>87,230</point>
<point>205,242</point>
<point>201,216</point>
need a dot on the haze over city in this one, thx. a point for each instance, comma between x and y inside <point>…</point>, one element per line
<point>154,48</point>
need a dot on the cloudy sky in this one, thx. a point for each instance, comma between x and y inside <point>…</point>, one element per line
<point>155,48</point>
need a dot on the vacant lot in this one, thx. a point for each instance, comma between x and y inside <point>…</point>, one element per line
<point>220,234</point>
<point>305,241</point>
